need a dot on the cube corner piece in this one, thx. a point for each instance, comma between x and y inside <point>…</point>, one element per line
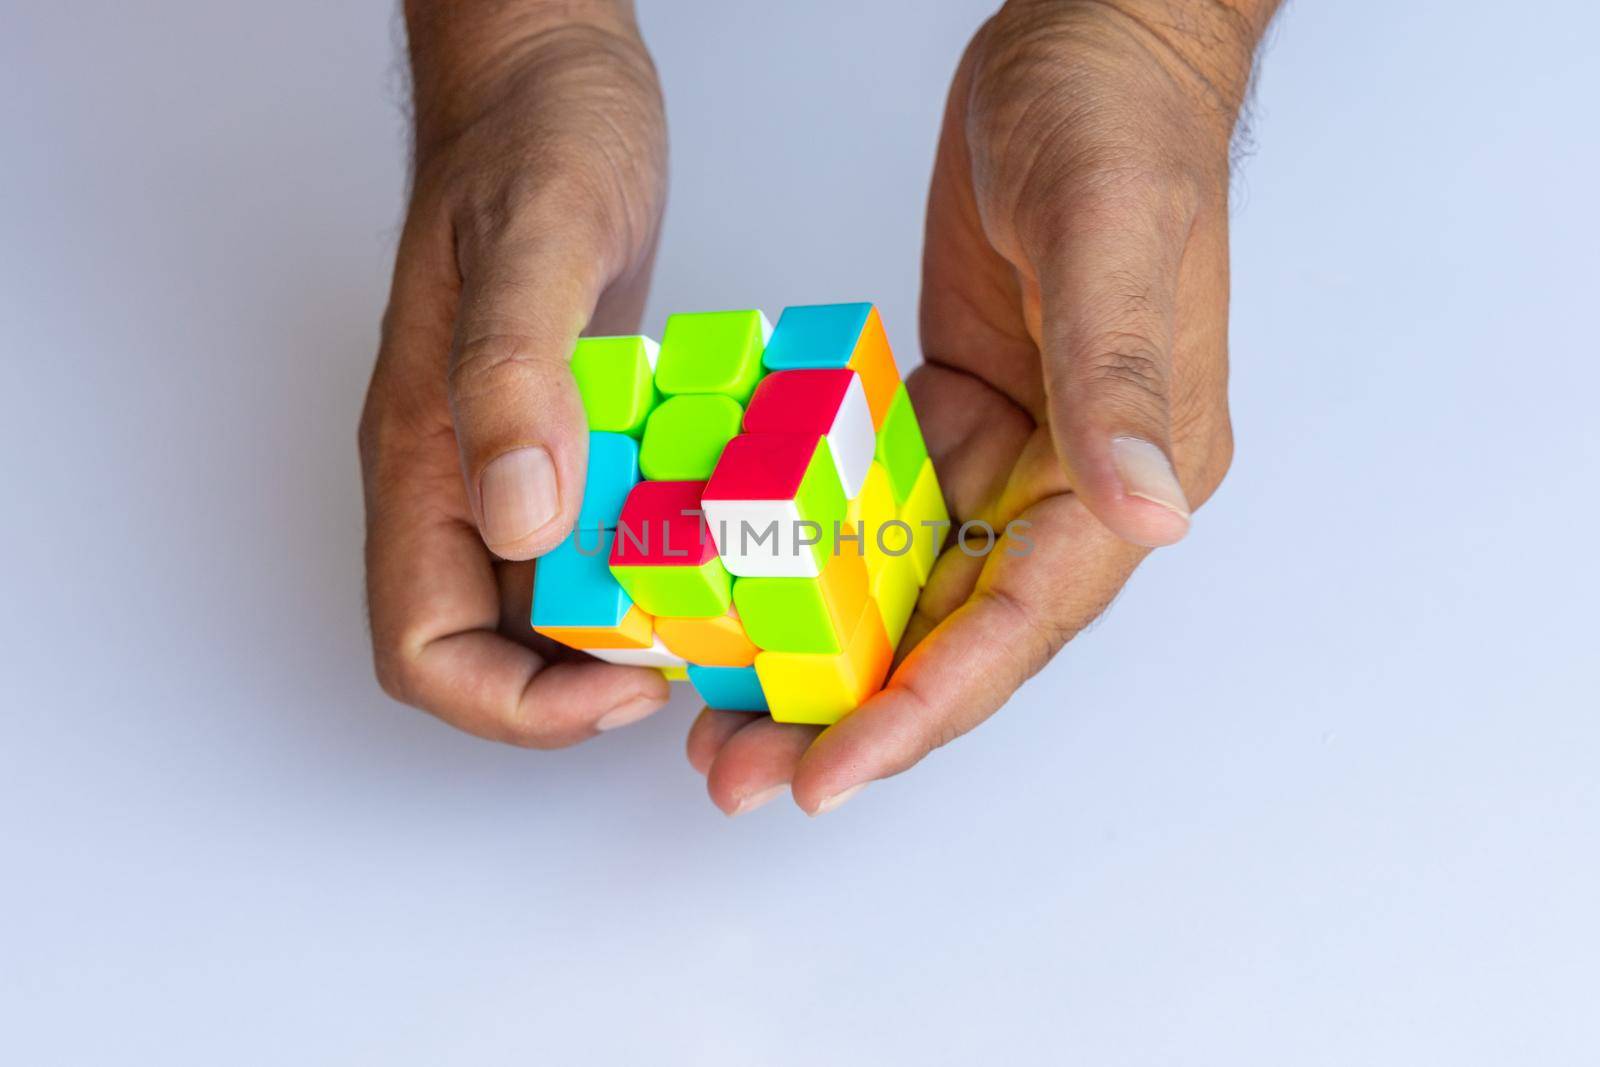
<point>616,380</point>
<point>838,335</point>
<point>820,690</point>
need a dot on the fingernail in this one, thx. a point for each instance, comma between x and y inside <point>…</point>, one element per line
<point>1147,474</point>
<point>755,800</point>
<point>623,714</point>
<point>519,495</point>
<point>837,799</point>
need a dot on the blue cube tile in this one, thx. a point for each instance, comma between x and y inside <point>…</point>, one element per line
<point>728,688</point>
<point>573,585</point>
<point>613,472</point>
<point>815,335</point>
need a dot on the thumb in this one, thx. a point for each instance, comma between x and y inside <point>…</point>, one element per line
<point>518,416</point>
<point>1108,284</point>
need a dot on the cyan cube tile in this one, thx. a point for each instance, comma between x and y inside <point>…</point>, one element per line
<point>613,472</point>
<point>816,335</point>
<point>573,586</point>
<point>728,688</point>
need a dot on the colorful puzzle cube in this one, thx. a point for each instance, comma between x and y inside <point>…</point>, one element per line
<point>759,515</point>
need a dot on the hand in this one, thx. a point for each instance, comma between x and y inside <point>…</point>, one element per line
<point>1074,324</point>
<point>538,191</point>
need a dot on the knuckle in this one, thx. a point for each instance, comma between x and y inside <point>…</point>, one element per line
<point>490,363</point>
<point>1126,365</point>
<point>526,730</point>
<point>397,675</point>
<point>398,647</point>
<point>1046,633</point>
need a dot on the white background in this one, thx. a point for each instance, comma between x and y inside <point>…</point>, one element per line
<point>1321,788</point>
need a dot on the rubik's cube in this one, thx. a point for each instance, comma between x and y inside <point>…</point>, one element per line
<point>760,512</point>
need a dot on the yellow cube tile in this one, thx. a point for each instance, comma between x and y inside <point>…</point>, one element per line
<point>894,592</point>
<point>634,631</point>
<point>805,687</point>
<point>867,519</point>
<point>720,641</point>
<point>925,504</point>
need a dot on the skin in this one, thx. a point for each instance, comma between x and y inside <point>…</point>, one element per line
<point>1075,291</point>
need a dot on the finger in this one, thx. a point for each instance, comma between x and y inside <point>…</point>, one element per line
<point>756,764</point>
<point>431,586</point>
<point>1020,615</point>
<point>711,730</point>
<point>973,434</point>
<point>1108,269</point>
<point>527,290</point>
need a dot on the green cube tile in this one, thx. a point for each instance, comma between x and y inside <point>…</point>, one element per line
<point>681,592</point>
<point>786,615</point>
<point>820,499</point>
<point>713,352</point>
<point>900,446</point>
<point>685,436</point>
<point>616,379</point>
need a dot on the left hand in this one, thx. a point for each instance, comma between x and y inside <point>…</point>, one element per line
<point>1074,325</point>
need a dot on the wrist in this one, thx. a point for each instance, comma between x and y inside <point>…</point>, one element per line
<point>465,53</point>
<point>1208,46</point>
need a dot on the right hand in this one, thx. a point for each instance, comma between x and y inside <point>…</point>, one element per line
<point>537,197</point>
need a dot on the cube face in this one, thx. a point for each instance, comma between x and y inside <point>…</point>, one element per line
<point>804,614</point>
<point>895,590</point>
<point>718,641</point>
<point>721,468</point>
<point>634,631</point>
<point>816,335</point>
<point>900,446</point>
<point>613,472</point>
<point>728,688</point>
<point>692,592</point>
<point>661,527</point>
<point>685,436</point>
<point>616,379</point>
<point>574,587</point>
<point>765,466</point>
<point>870,515</point>
<point>656,656</point>
<point>822,689</point>
<point>712,352</point>
<point>925,512</point>
<point>874,362</point>
<point>829,402</point>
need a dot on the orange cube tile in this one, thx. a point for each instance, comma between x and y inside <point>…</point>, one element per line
<point>715,642</point>
<point>874,362</point>
<point>634,631</point>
